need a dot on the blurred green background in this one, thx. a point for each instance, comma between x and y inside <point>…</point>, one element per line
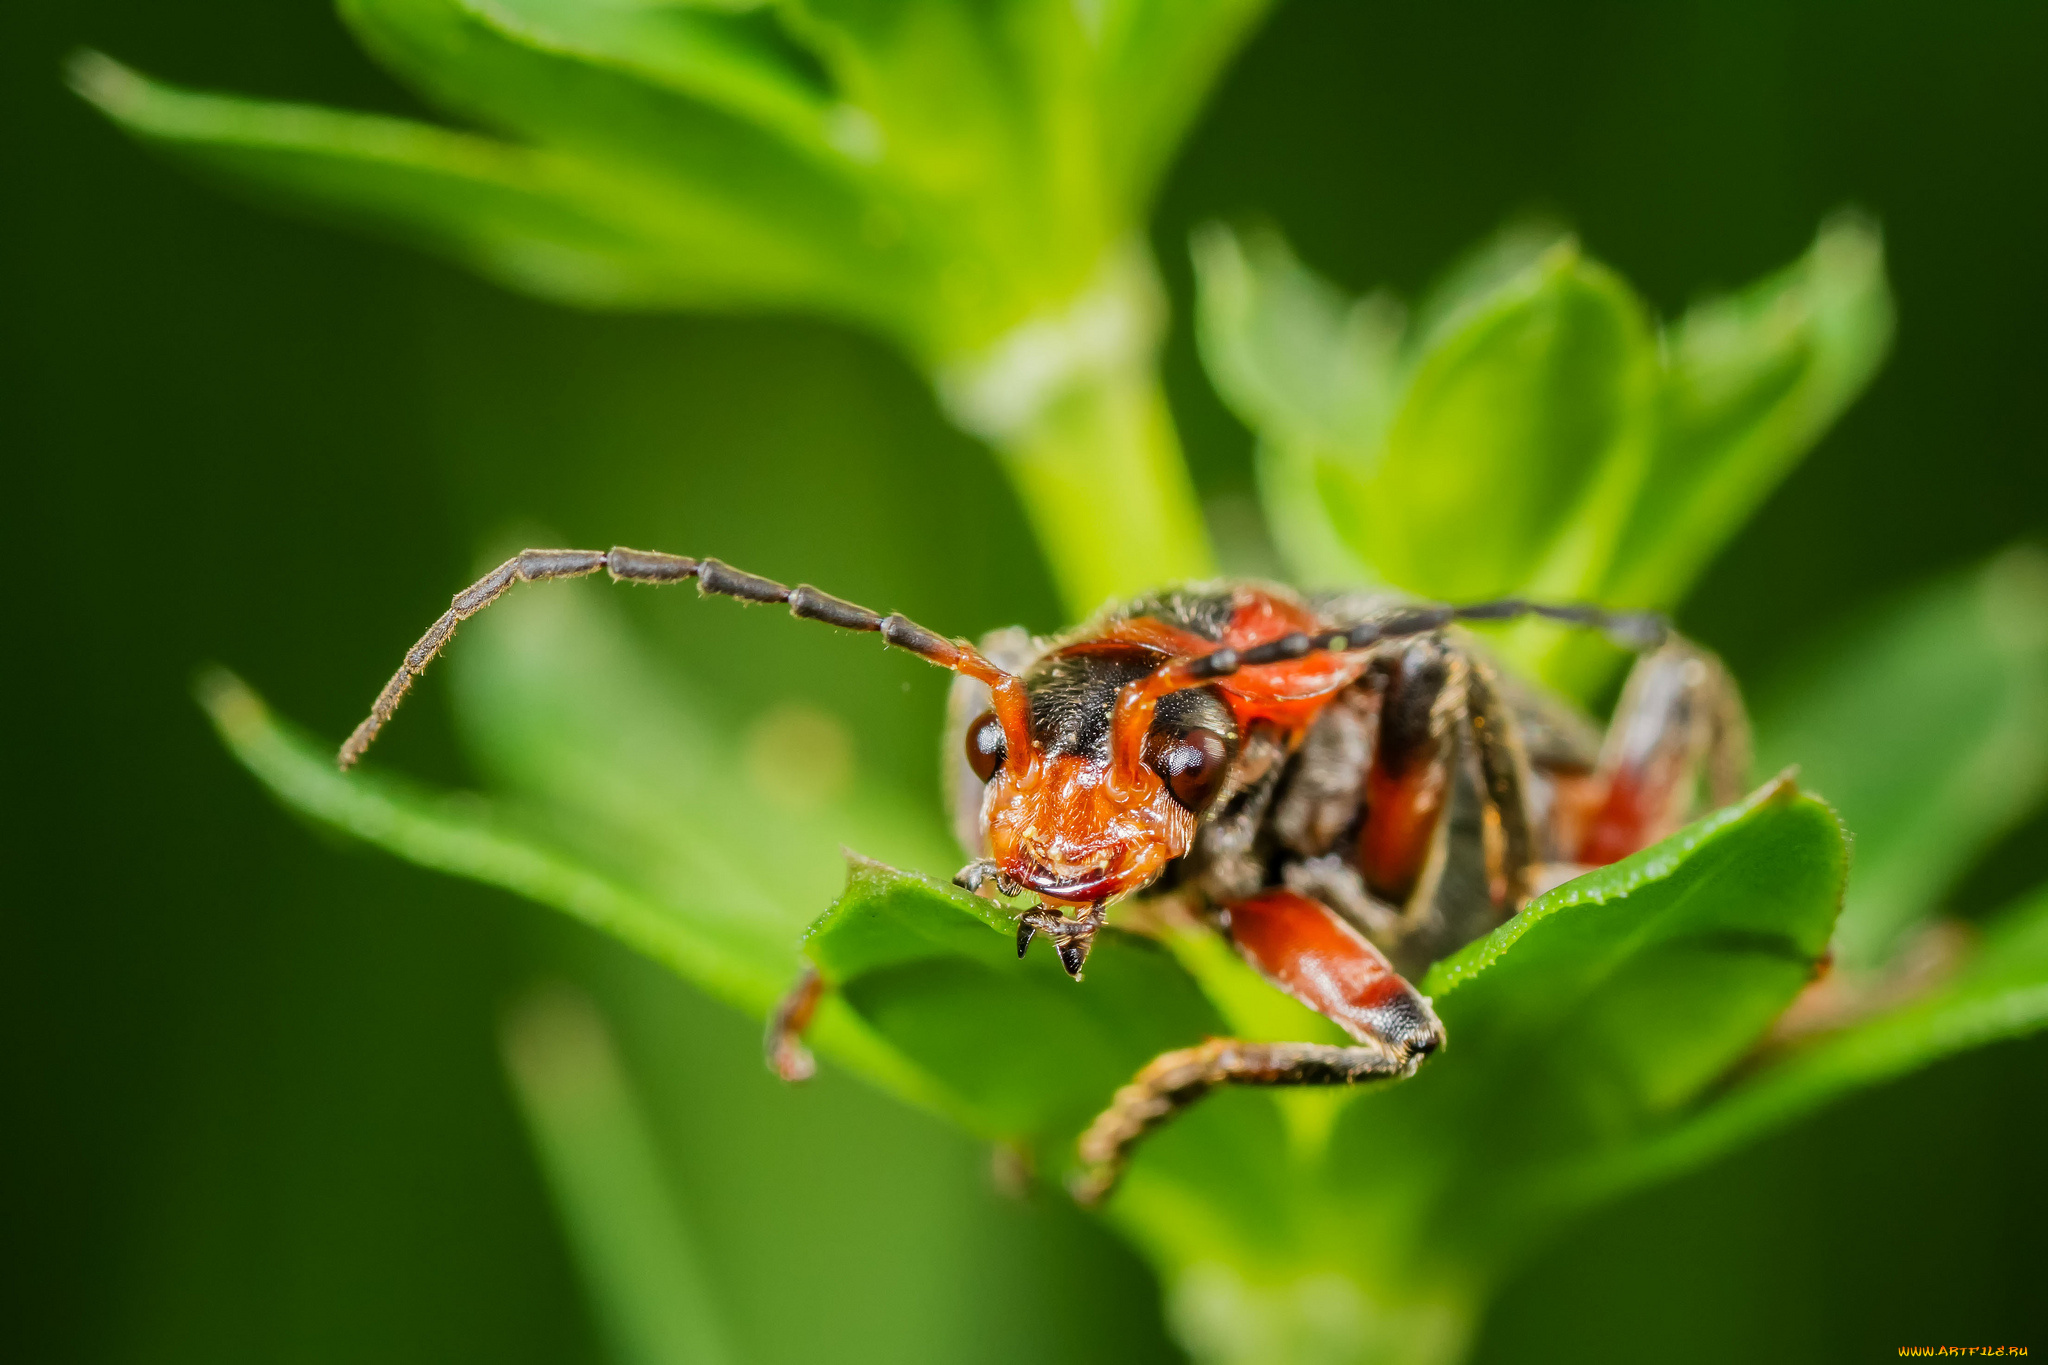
<point>256,1107</point>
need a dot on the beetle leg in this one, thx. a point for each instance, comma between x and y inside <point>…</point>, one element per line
<point>1307,950</point>
<point>1680,720</point>
<point>787,1055</point>
<point>1503,773</point>
<point>1326,785</point>
<point>1336,883</point>
<point>1174,1080</point>
<point>1402,843</point>
<point>1071,938</point>
<point>980,873</point>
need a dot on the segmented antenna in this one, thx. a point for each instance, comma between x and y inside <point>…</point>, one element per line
<point>1013,707</point>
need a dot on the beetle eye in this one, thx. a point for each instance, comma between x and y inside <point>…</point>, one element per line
<point>1192,764</point>
<point>986,747</point>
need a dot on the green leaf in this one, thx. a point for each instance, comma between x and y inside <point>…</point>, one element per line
<point>618,759</point>
<point>991,149</point>
<point>1751,381</point>
<point>467,837</point>
<point>1519,443</point>
<point>1474,280</point>
<point>1313,369</point>
<point>640,1262</point>
<point>1596,1018</point>
<point>968,180</point>
<point>1029,1055</point>
<point>1496,447</point>
<point>1528,434</point>
<point>1159,58</point>
<point>740,61</point>
<point>944,173</point>
<point>784,226</point>
<point>1927,726</point>
<point>1597,1015</point>
<point>538,221</point>
<point>2001,994</point>
<point>678,922</point>
<point>1317,375</point>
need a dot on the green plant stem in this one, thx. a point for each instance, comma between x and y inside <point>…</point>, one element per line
<point>1325,1316</point>
<point>1106,491</point>
<point>1071,402</point>
<point>644,1269</point>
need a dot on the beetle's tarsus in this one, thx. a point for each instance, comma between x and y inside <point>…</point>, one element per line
<point>1174,1080</point>
<point>1012,1167</point>
<point>1072,938</point>
<point>976,875</point>
<point>788,1058</point>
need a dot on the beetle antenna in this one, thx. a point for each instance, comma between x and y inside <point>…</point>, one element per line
<point>1635,630</point>
<point>1012,704</point>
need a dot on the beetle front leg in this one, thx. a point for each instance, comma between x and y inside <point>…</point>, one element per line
<point>1307,950</point>
<point>784,1043</point>
<point>976,876</point>
<point>1174,1080</point>
<point>1071,938</point>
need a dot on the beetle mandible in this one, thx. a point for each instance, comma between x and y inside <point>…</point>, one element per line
<point>1346,785</point>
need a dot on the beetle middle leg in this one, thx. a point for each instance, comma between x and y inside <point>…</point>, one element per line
<point>1503,771</point>
<point>1307,950</point>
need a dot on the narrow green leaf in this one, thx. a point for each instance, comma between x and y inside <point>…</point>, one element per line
<point>783,226</point>
<point>680,923</point>
<point>987,117</point>
<point>1927,726</point>
<point>739,61</point>
<point>940,173</point>
<point>639,1259</point>
<point>618,759</point>
<point>466,837</point>
<point>2002,994</point>
<point>1751,382</point>
<point>537,221</point>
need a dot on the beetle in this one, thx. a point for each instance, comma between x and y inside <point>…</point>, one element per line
<point>1347,785</point>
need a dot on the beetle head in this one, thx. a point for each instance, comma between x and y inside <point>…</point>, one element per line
<point>1105,797</point>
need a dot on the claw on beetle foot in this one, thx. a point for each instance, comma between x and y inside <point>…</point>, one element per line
<point>1072,938</point>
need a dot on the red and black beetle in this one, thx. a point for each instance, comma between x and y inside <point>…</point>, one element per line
<point>1346,785</point>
